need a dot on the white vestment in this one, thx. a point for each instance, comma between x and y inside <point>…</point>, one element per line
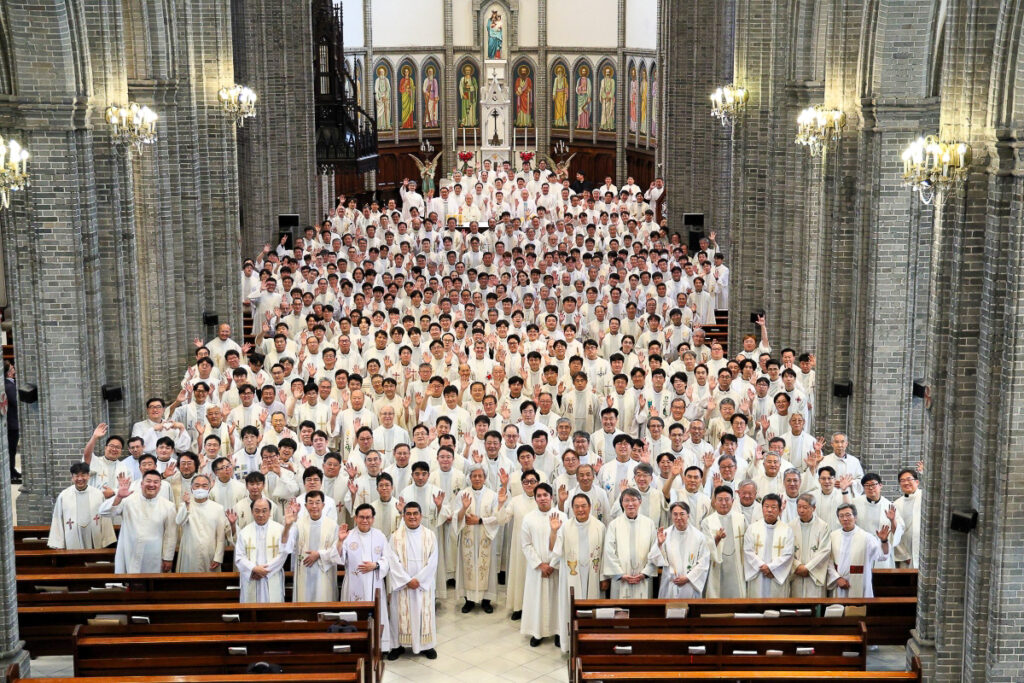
<point>627,546</point>
<point>431,518</point>
<point>362,547</point>
<point>261,545</point>
<point>512,514</point>
<point>812,549</point>
<point>540,603</point>
<point>853,554</point>
<point>76,523</point>
<point>726,579</point>
<point>770,544</point>
<point>203,530</point>
<point>580,568</point>
<point>148,533</point>
<point>476,573</point>
<point>318,583</point>
<point>684,553</point>
<point>412,554</point>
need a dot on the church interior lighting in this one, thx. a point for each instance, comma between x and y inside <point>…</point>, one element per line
<point>728,103</point>
<point>13,169</point>
<point>819,127</point>
<point>132,124</point>
<point>239,102</point>
<point>932,167</point>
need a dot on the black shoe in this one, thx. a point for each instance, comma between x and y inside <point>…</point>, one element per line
<point>517,615</point>
<point>534,642</point>
<point>501,578</point>
<point>395,653</point>
<point>450,583</point>
<point>468,607</point>
<point>486,605</point>
<point>558,642</point>
<point>430,654</point>
<point>16,479</point>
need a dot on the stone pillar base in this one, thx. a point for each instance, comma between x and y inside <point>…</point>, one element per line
<point>924,650</point>
<point>18,657</point>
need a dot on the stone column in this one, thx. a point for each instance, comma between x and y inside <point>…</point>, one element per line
<point>11,645</point>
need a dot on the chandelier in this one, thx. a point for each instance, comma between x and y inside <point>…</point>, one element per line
<point>13,169</point>
<point>728,103</point>
<point>818,127</point>
<point>239,102</point>
<point>133,125</point>
<point>931,167</point>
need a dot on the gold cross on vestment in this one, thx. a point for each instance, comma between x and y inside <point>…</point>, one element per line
<point>275,546</point>
<point>758,545</point>
<point>779,546</point>
<point>249,547</point>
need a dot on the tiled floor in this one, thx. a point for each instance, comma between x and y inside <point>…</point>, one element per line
<point>481,648</point>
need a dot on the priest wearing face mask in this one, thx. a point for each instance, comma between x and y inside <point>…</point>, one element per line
<point>204,527</point>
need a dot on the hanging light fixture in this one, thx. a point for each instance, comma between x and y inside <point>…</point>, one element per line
<point>932,167</point>
<point>13,169</point>
<point>819,127</point>
<point>133,125</point>
<point>728,103</point>
<point>239,102</point>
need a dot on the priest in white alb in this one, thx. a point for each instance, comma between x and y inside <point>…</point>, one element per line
<point>813,546</point>
<point>725,527</point>
<point>203,529</point>
<point>685,554</point>
<point>148,534</point>
<point>580,568</point>
<point>627,547</point>
<point>412,558</point>
<point>261,550</point>
<point>542,546</point>
<point>474,524</point>
<point>853,553</point>
<point>313,537</point>
<point>76,523</point>
<point>768,552</point>
<point>363,554</point>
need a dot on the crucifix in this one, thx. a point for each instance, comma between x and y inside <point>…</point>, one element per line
<point>71,523</point>
<point>495,140</point>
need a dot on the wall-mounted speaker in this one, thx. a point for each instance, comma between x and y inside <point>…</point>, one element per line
<point>964,521</point>
<point>919,388</point>
<point>210,319</point>
<point>842,389</point>
<point>28,393</point>
<point>111,392</point>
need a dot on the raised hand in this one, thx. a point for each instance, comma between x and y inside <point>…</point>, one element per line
<point>563,495</point>
<point>232,516</point>
<point>342,533</point>
<point>467,500</point>
<point>662,535</point>
<point>438,499</point>
<point>891,515</point>
<point>186,498</point>
<point>709,460</point>
<point>719,535</point>
<point>845,482</point>
<point>124,486</point>
<point>101,429</point>
<point>883,534</point>
<point>556,521</point>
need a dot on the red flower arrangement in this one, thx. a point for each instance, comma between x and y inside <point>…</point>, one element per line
<point>465,156</point>
<point>526,156</point>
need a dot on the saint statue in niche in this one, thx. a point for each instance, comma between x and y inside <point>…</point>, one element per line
<point>607,96</point>
<point>524,98</point>
<point>494,35</point>
<point>382,97</point>
<point>584,100</point>
<point>643,102</point>
<point>407,88</point>
<point>469,90</point>
<point>431,98</point>
<point>560,98</point>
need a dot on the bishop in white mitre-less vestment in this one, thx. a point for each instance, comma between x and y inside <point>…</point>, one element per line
<point>314,566</point>
<point>580,568</point>
<point>476,573</point>
<point>627,546</point>
<point>768,542</point>
<point>812,549</point>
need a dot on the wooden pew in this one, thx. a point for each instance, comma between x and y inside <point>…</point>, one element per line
<point>138,588</point>
<point>77,561</point>
<point>49,629</point>
<point>35,536</point>
<point>297,652</point>
<point>630,651</point>
<point>888,620</point>
<point>641,676</point>
<point>894,583</point>
<point>352,676</point>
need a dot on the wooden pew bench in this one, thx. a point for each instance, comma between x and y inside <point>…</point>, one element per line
<point>709,651</point>
<point>355,675</point>
<point>888,620</point>
<point>641,676</point>
<point>115,657</point>
<point>49,629</point>
<point>78,561</point>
